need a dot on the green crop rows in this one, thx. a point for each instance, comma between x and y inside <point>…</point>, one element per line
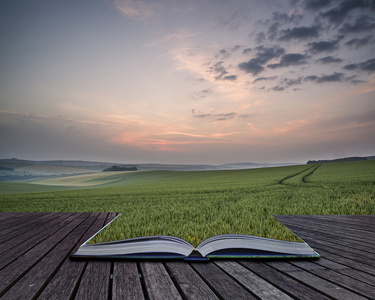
<point>197,205</point>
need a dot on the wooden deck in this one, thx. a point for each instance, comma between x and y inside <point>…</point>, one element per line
<point>35,264</point>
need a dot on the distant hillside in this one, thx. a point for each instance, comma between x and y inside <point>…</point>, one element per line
<point>354,158</point>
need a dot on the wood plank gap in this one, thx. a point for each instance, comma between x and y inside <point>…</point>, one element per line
<point>220,281</point>
<point>142,279</point>
<point>110,285</point>
<point>191,283</point>
<point>173,278</point>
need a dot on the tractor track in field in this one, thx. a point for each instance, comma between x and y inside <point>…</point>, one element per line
<point>314,167</point>
<point>309,174</point>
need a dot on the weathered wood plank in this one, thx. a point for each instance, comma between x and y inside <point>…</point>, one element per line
<point>348,282</point>
<point>336,267</point>
<point>5,216</point>
<point>12,272</point>
<point>19,225</point>
<point>89,286</point>
<point>65,281</point>
<point>328,227</point>
<point>126,281</point>
<point>346,261</point>
<point>33,281</point>
<point>20,217</point>
<point>257,285</point>
<point>328,234</point>
<point>190,283</point>
<point>221,282</point>
<point>159,284</point>
<point>8,257</point>
<point>333,238</point>
<point>95,281</point>
<point>285,283</point>
<point>351,254</point>
<point>43,225</point>
<point>331,289</point>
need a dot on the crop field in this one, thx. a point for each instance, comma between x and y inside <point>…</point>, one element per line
<point>195,205</point>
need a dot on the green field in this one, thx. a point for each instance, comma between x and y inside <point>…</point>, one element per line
<point>197,205</point>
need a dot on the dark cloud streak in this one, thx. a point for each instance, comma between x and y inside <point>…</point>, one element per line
<point>323,46</point>
<point>264,78</point>
<point>316,4</point>
<point>263,55</point>
<point>335,77</point>
<point>292,59</point>
<point>299,33</point>
<point>359,42</point>
<point>339,13</point>
<point>329,60</point>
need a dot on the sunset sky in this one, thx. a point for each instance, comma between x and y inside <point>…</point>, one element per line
<point>192,81</point>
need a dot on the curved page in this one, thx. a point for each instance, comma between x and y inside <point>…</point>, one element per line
<point>144,245</point>
<point>238,241</point>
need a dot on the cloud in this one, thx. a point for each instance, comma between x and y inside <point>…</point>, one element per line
<point>202,93</point>
<point>285,83</point>
<point>219,70</point>
<point>292,59</point>
<point>261,37</point>
<point>263,55</point>
<point>361,24</point>
<point>311,78</point>
<point>329,60</point>
<point>299,33</point>
<point>359,42</point>
<point>284,18</point>
<point>368,66</point>
<point>230,78</point>
<point>350,67</point>
<point>288,82</point>
<point>339,13</point>
<point>225,53</point>
<point>277,88</point>
<point>316,4</point>
<point>218,117</point>
<point>247,50</point>
<point>252,66</point>
<point>323,46</point>
<point>264,78</point>
<point>134,9</point>
<point>279,20</point>
<point>222,72</point>
<point>353,80</point>
<point>335,77</point>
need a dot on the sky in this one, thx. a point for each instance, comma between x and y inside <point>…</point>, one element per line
<point>187,81</point>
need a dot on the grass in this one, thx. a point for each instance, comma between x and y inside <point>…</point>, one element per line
<point>197,205</point>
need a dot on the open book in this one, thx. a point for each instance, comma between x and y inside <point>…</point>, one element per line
<point>220,246</point>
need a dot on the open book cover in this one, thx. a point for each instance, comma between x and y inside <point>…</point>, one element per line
<point>220,246</point>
